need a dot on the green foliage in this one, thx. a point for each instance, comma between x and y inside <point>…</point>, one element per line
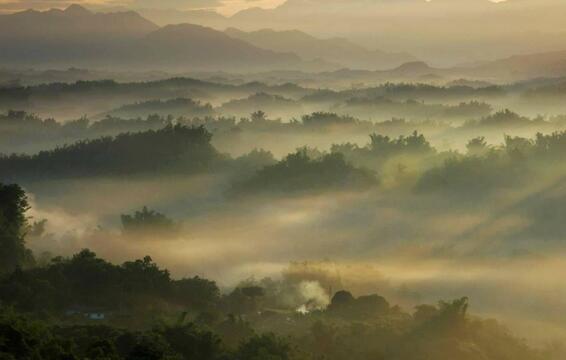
<point>173,107</point>
<point>486,169</point>
<point>234,330</point>
<point>298,172</point>
<point>501,120</point>
<point>477,146</point>
<point>148,223</point>
<point>383,107</point>
<point>190,342</point>
<point>471,175</point>
<point>345,305</point>
<point>323,119</point>
<point>173,148</point>
<point>89,282</point>
<point>197,292</point>
<point>382,147</point>
<point>24,132</point>
<point>264,347</point>
<point>385,146</point>
<point>24,339</point>
<point>254,161</point>
<point>13,225</point>
<point>253,291</point>
<point>450,318</point>
<point>399,161</point>
<point>258,104</point>
<point>351,328</point>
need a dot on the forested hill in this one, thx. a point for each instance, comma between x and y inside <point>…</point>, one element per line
<point>173,148</point>
<point>84,307</point>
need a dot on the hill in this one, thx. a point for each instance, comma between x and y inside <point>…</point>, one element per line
<point>67,37</point>
<point>124,40</point>
<point>443,32</point>
<point>335,50</point>
<point>176,149</point>
<point>520,67</point>
<point>203,47</point>
<point>73,23</point>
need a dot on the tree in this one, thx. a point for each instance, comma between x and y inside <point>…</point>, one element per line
<point>102,350</point>
<point>477,146</point>
<point>258,116</point>
<point>253,291</point>
<point>197,292</point>
<point>341,301</point>
<point>148,348</point>
<point>148,222</point>
<point>193,343</point>
<point>345,305</point>
<point>13,226</point>
<point>385,146</point>
<point>447,318</point>
<point>177,149</point>
<point>370,306</point>
<point>299,172</point>
<point>264,347</point>
<point>424,313</point>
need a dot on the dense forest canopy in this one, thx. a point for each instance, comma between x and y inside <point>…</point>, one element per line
<point>173,147</point>
<point>211,324</point>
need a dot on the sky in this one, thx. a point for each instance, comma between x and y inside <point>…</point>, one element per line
<point>232,6</point>
<point>226,7</point>
<point>222,6</point>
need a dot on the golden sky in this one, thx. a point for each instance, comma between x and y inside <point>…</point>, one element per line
<point>224,6</point>
<point>232,6</point>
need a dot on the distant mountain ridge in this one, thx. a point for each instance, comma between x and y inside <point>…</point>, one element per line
<point>335,50</point>
<point>546,64</point>
<point>205,47</point>
<point>445,32</point>
<point>72,23</point>
<point>78,37</point>
<point>164,17</point>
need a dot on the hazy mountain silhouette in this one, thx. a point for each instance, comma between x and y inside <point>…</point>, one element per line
<point>69,36</point>
<point>126,40</point>
<point>335,50</point>
<point>164,17</point>
<point>530,65</point>
<point>75,22</point>
<point>413,69</point>
<point>175,45</point>
<point>513,68</point>
<point>78,37</point>
<point>445,32</point>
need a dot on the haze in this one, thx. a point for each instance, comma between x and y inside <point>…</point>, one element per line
<point>283,180</point>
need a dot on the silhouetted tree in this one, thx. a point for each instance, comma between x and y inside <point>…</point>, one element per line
<point>13,226</point>
<point>148,222</point>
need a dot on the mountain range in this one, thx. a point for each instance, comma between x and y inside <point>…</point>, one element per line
<point>442,32</point>
<point>124,40</point>
<point>78,37</point>
<point>335,50</point>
